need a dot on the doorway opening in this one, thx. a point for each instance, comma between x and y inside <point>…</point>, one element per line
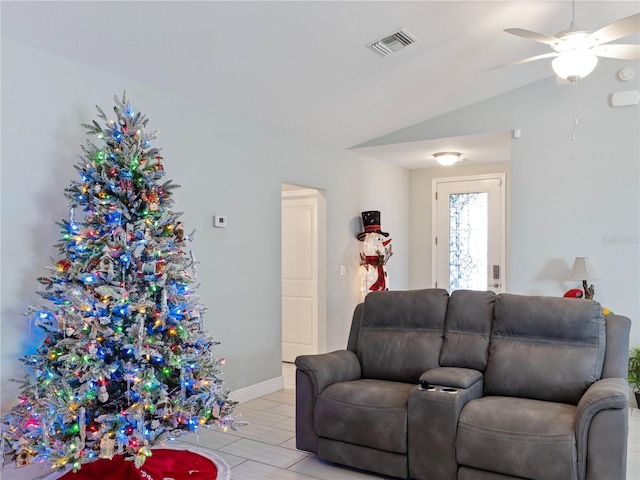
<point>469,225</point>
<point>303,245</point>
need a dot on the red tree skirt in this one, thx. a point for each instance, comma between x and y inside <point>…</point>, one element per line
<point>163,464</point>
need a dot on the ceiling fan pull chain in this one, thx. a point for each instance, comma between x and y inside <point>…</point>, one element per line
<point>574,107</point>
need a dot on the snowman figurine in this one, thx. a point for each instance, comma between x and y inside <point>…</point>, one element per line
<point>376,251</point>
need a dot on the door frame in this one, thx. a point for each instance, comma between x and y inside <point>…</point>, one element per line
<point>504,278</point>
<point>293,190</point>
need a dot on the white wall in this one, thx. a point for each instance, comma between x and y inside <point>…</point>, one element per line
<point>226,164</point>
<point>568,198</point>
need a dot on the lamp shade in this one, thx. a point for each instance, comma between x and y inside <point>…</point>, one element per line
<point>582,270</point>
<point>447,158</point>
<point>574,64</point>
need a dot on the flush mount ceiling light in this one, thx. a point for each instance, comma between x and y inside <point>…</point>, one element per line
<point>447,158</point>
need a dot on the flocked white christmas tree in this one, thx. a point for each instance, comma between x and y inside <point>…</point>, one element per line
<point>126,362</point>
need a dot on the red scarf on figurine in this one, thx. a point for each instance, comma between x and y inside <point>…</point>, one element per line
<point>377,261</point>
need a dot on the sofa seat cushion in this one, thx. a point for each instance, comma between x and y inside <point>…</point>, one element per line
<point>367,412</point>
<point>519,437</point>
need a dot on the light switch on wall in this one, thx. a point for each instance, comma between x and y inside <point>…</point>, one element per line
<point>220,221</point>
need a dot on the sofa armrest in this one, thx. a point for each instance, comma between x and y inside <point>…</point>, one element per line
<point>606,398</point>
<point>329,368</point>
<point>313,374</point>
<point>451,377</point>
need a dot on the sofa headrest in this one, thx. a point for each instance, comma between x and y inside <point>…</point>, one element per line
<point>409,308</point>
<point>556,318</point>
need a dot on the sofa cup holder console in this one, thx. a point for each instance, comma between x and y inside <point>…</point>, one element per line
<point>437,388</point>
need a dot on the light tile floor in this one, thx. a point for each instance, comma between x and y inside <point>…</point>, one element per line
<point>265,449</point>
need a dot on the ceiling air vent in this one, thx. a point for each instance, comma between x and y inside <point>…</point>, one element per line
<point>392,43</point>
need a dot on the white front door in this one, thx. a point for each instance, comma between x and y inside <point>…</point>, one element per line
<point>299,273</point>
<point>469,233</point>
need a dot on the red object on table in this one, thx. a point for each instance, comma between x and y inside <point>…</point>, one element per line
<point>163,464</point>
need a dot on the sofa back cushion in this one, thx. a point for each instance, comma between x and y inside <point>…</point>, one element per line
<point>545,348</point>
<point>467,329</point>
<point>401,333</point>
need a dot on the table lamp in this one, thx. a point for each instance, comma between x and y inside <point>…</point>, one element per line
<point>582,270</point>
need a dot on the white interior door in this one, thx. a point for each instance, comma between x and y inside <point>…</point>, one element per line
<point>299,273</point>
<point>469,228</point>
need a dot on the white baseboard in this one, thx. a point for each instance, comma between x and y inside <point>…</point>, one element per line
<point>258,390</point>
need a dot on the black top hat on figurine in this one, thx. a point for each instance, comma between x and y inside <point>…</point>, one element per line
<point>371,224</point>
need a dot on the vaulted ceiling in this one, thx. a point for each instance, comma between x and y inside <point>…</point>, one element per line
<point>303,65</point>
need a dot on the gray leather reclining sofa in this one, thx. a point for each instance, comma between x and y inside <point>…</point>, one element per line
<point>520,387</point>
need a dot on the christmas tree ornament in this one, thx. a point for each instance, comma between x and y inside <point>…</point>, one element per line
<point>24,457</point>
<point>103,395</point>
<point>126,363</point>
<point>107,447</point>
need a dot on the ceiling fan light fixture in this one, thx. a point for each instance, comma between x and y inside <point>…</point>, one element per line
<point>447,158</point>
<point>574,64</point>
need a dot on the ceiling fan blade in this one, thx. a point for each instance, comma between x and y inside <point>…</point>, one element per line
<point>529,35</point>
<point>524,60</point>
<point>613,31</point>
<point>624,52</point>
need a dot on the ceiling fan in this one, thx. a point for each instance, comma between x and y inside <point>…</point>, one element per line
<point>575,51</point>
